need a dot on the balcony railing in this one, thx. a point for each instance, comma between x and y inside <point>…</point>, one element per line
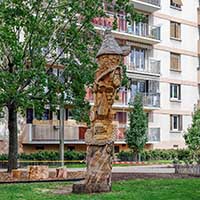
<point>154,2</point>
<point>138,29</point>
<point>154,135</point>
<point>49,132</point>
<point>152,66</point>
<point>149,99</point>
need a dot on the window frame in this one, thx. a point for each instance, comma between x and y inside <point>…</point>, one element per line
<point>179,123</point>
<point>138,59</point>
<point>174,86</point>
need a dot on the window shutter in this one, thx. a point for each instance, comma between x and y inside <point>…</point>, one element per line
<point>178,2</point>
<point>175,62</point>
<point>172,61</point>
<point>180,127</point>
<point>178,30</point>
<point>171,91</point>
<point>172,29</point>
<point>179,62</point>
<point>171,122</point>
<point>179,88</point>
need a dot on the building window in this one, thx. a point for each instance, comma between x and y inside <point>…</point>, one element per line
<point>176,122</point>
<point>46,115</point>
<point>176,4</point>
<point>175,62</point>
<point>116,149</point>
<point>137,59</point>
<point>175,91</point>
<point>121,117</point>
<point>175,30</point>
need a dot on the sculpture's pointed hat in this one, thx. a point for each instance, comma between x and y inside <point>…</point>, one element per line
<point>109,46</point>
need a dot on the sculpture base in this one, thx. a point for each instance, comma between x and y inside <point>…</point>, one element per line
<point>94,188</point>
<point>99,170</point>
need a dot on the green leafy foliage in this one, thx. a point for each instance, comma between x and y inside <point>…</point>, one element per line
<point>38,35</point>
<point>136,134</point>
<point>48,155</point>
<point>157,154</point>
<point>192,137</point>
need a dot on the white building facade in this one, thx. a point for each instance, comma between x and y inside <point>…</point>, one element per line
<point>164,68</point>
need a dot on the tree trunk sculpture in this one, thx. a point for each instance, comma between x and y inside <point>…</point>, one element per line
<point>101,136</point>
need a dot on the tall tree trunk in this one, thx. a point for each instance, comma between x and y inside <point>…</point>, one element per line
<point>13,137</point>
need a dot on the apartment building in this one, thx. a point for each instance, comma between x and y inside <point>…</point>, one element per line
<point>163,66</point>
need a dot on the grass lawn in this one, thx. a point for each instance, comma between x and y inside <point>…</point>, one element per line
<point>160,189</point>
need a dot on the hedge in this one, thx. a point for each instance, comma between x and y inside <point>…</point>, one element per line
<point>48,155</point>
<point>157,154</point>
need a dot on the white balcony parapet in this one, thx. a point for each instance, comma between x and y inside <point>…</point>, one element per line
<point>144,30</point>
<point>154,2</point>
<point>48,132</point>
<point>147,5</point>
<point>149,99</point>
<point>152,67</point>
<point>140,32</point>
<point>153,136</point>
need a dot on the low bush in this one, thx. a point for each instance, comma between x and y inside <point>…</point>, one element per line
<point>48,155</point>
<point>3,157</point>
<point>157,154</point>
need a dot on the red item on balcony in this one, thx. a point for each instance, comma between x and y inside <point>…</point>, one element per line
<point>82,131</point>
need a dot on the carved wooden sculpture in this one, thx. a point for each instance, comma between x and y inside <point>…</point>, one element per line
<point>101,136</point>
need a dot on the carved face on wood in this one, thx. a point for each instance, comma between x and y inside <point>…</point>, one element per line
<point>117,77</point>
<point>109,60</point>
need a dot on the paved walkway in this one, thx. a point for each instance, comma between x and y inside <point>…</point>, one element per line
<point>128,169</point>
<point>137,169</point>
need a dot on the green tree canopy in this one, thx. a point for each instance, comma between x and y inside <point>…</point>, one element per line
<point>192,137</point>
<point>38,35</point>
<point>136,133</point>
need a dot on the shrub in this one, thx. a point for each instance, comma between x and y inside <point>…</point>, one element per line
<point>48,155</point>
<point>157,154</point>
<point>3,157</point>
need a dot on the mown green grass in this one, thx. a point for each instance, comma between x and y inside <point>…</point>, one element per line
<point>160,189</point>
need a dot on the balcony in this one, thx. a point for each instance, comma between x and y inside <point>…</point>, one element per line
<point>137,32</point>
<point>49,133</point>
<point>147,5</point>
<point>153,135</point>
<point>150,100</point>
<point>152,67</point>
